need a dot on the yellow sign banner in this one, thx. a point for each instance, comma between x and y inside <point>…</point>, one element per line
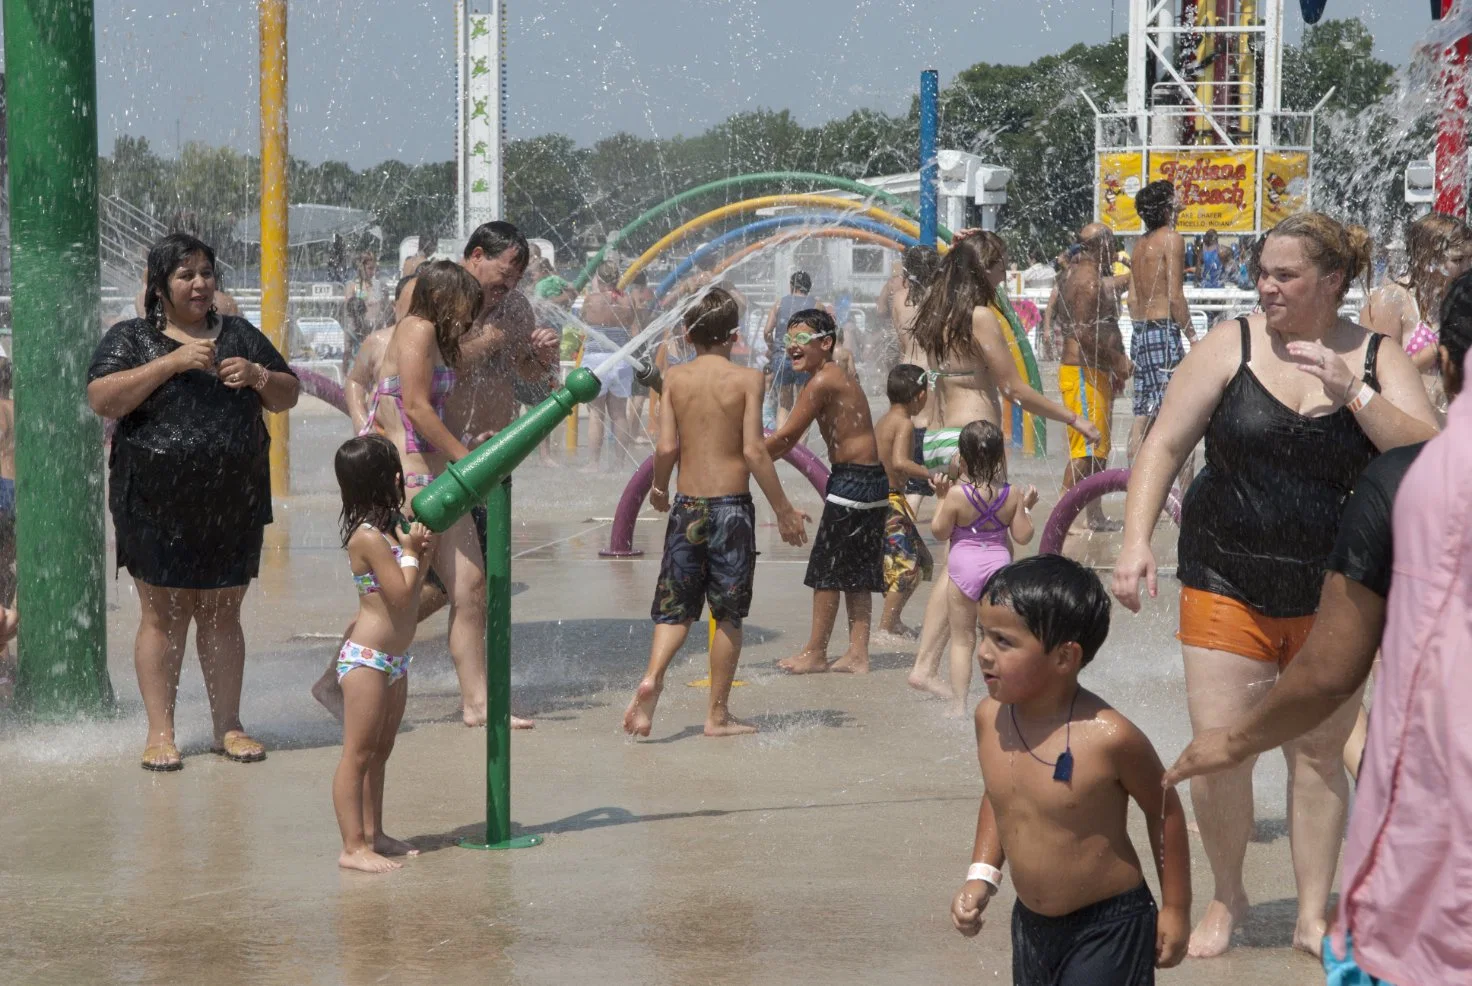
<point>1213,190</point>
<point>1284,186</point>
<point>1119,180</point>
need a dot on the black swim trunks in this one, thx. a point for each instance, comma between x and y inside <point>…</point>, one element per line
<point>709,555</point>
<point>848,550</point>
<point>917,453</point>
<point>1109,943</point>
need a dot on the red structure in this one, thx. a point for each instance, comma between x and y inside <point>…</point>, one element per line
<point>1451,127</point>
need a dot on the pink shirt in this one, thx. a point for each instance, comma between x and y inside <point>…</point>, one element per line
<point>1407,879</point>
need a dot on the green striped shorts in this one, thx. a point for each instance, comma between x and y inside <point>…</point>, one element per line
<point>941,446</point>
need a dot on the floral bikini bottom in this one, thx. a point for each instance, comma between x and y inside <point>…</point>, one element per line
<point>357,656</point>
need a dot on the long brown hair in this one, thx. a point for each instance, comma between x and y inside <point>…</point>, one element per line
<point>447,297</point>
<point>1428,241</point>
<point>943,323</point>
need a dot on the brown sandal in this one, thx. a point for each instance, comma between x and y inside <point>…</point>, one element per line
<point>241,748</point>
<point>162,756</point>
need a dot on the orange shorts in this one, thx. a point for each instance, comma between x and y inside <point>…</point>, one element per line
<point>1222,623</point>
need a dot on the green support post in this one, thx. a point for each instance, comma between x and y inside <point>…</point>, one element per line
<point>485,476</point>
<point>60,542</point>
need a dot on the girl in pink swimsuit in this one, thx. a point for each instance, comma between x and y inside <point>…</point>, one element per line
<point>977,515</point>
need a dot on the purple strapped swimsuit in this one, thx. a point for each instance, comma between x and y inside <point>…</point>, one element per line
<point>981,548</point>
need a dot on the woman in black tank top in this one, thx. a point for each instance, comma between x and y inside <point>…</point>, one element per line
<point>1293,403</point>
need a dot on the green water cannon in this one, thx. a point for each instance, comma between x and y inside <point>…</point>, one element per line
<point>484,477</point>
<point>467,483</point>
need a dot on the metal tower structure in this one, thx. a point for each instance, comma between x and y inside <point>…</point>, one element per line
<point>480,132</point>
<point>1203,108</point>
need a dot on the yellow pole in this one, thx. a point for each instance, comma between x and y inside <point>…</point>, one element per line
<point>273,217</point>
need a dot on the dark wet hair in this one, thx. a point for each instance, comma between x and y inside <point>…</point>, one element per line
<point>1155,203</point>
<point>1057,599</point>
<point>640,279</point>
<point>802,281</point>
<point>983,453</point>
<point>713,319</point>
<point>1209,237</point>
<point>403,283</point>
<point>371,478</point>
<point>429,240</point>
<point>495,238</point>
<point>943,323</point>
<point>447,297</point>
<point>1456,329</point>
<point>906,382</point>
<point>919,264</point>
<point>815,320</point>
<point>164,257</point>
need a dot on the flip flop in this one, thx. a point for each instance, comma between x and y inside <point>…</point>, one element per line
<point>241,748</point>
<point>162,756</point>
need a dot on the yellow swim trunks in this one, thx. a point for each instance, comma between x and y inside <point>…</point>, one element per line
<point>1087,391</point>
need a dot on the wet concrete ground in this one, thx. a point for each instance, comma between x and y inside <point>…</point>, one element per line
<point>825,849</point>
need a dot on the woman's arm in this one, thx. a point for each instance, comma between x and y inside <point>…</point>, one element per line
<point>417,348</point>
<point>1192,395</point>
<point>1399,415</point>
<point>986,332</point>
<point>117,394</point>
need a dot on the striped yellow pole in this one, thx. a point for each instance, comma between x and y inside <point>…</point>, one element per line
<point>273,217</point>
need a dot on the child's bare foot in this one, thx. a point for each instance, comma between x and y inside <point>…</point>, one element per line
<point>852,662</point>
<point>473,715</point>
<point>387,845</point>
<point>1308,936</point>
<point>328,694</point>
<point>956,709</point>
<point>367,860</point>
<point>1213,933</point>
<point>728,725</point>
<point>931,684</point>
<point>640,715</point>
<point>517,722</point>
<point>807,662</point>
<point>901,630</point>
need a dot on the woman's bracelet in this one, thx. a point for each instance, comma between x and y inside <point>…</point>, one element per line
<point>1365,394</point>
<point>655,491</point>
<point>408,561</point>
<point>262,379</point>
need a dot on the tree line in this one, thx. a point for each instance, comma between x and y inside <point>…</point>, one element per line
<point>1029,118</point>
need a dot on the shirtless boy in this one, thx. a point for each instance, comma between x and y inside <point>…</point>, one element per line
<point>1094,365</point>
<point>1056,809</point>
<point>710,426</point>
<point>907,560</point>
<point>848,551</point>
<point>1157,305</point>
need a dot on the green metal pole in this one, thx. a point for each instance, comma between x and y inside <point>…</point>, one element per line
<point>51,80</point>
<point>498,677</point>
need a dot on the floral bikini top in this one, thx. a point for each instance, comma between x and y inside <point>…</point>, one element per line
<point>367,583</point>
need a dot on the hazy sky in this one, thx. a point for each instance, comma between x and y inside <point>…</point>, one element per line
<point>371,81</point>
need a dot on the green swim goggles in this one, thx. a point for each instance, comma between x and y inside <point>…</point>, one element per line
<point>802,338</point>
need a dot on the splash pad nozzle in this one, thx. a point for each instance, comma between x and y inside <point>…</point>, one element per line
<point>484,476</point>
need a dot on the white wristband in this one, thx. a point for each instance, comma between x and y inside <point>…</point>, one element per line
<point>408,561</point>
<point>1362,397</point>
<point>986,873</point>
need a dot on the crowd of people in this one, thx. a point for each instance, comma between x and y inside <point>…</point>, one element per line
<point>1328,480</point>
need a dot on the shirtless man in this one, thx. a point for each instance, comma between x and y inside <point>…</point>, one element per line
<point>1094,365</point>
<point>1157,303</point>
<point>613,313</point>
<point>847,560</point>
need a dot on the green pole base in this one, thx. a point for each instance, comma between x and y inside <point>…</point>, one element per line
<point>515,842</point>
